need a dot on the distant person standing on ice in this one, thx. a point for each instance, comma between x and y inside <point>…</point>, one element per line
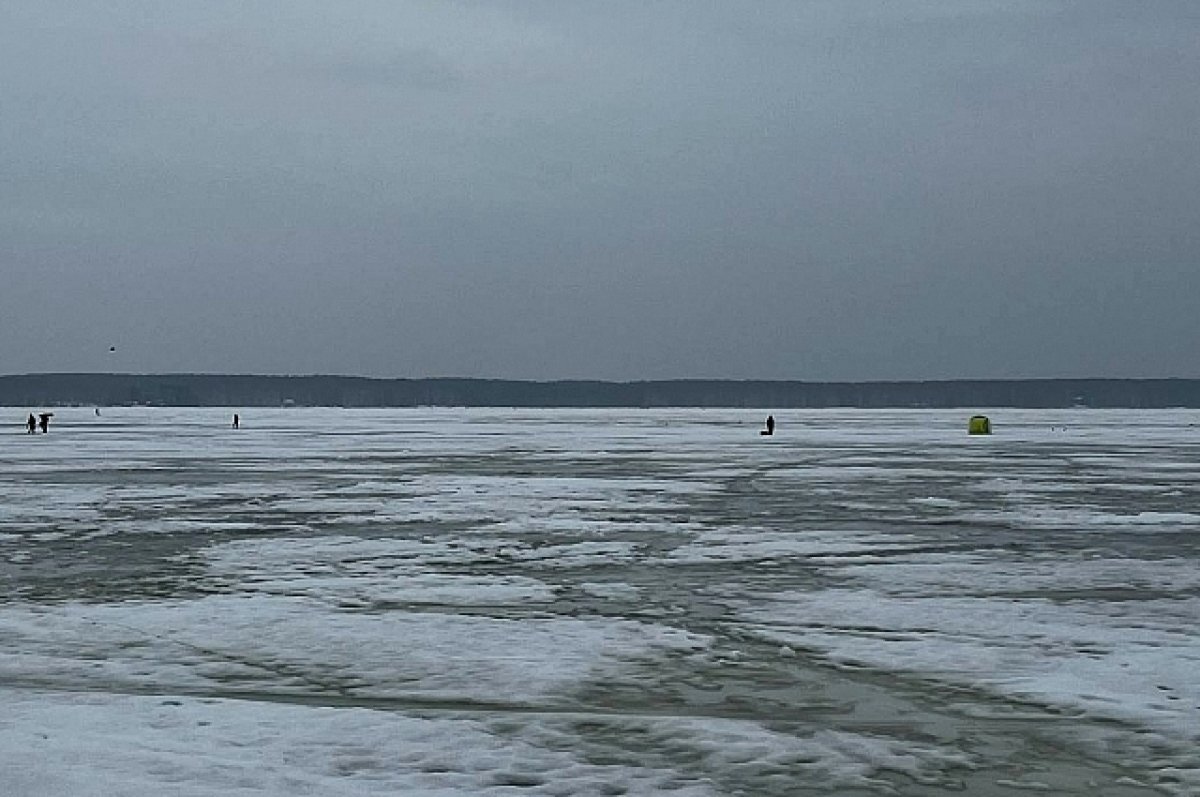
<point>237,422</point>
<point>44,421</point>
<point>770,426</point>
<point>31,424</point>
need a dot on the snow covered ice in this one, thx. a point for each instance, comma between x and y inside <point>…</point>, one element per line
<point>563,602</point>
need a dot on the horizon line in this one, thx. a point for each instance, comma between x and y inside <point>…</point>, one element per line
<point>596,380</point>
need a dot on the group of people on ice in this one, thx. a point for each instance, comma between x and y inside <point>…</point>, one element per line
<point>42,421</point>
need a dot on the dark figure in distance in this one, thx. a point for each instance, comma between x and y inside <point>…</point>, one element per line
<point>236,421</point>
<point>31,424</point>
<point>44,422</point>
<point>770,426</point>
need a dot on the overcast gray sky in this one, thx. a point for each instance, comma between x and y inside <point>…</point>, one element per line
<point>804,189</point>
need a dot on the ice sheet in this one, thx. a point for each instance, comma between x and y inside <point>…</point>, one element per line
<point>568,602</point>
<point>301,646</point>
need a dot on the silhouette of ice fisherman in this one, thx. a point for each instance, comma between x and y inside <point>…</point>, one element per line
<point>770,430</point>
<point>44,421</point>
<point>237,422</point>
<point>31,425</point>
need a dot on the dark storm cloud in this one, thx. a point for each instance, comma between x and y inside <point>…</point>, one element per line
<point>812,190</point>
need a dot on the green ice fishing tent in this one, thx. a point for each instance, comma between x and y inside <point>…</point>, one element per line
<point>979,424</point>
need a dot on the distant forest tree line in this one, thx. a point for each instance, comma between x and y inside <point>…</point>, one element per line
<point>212,390</point>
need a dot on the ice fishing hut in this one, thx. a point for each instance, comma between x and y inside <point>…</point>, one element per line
<point>979,424</point>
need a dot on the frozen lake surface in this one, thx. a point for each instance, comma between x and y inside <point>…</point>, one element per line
<point>561,602</point>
